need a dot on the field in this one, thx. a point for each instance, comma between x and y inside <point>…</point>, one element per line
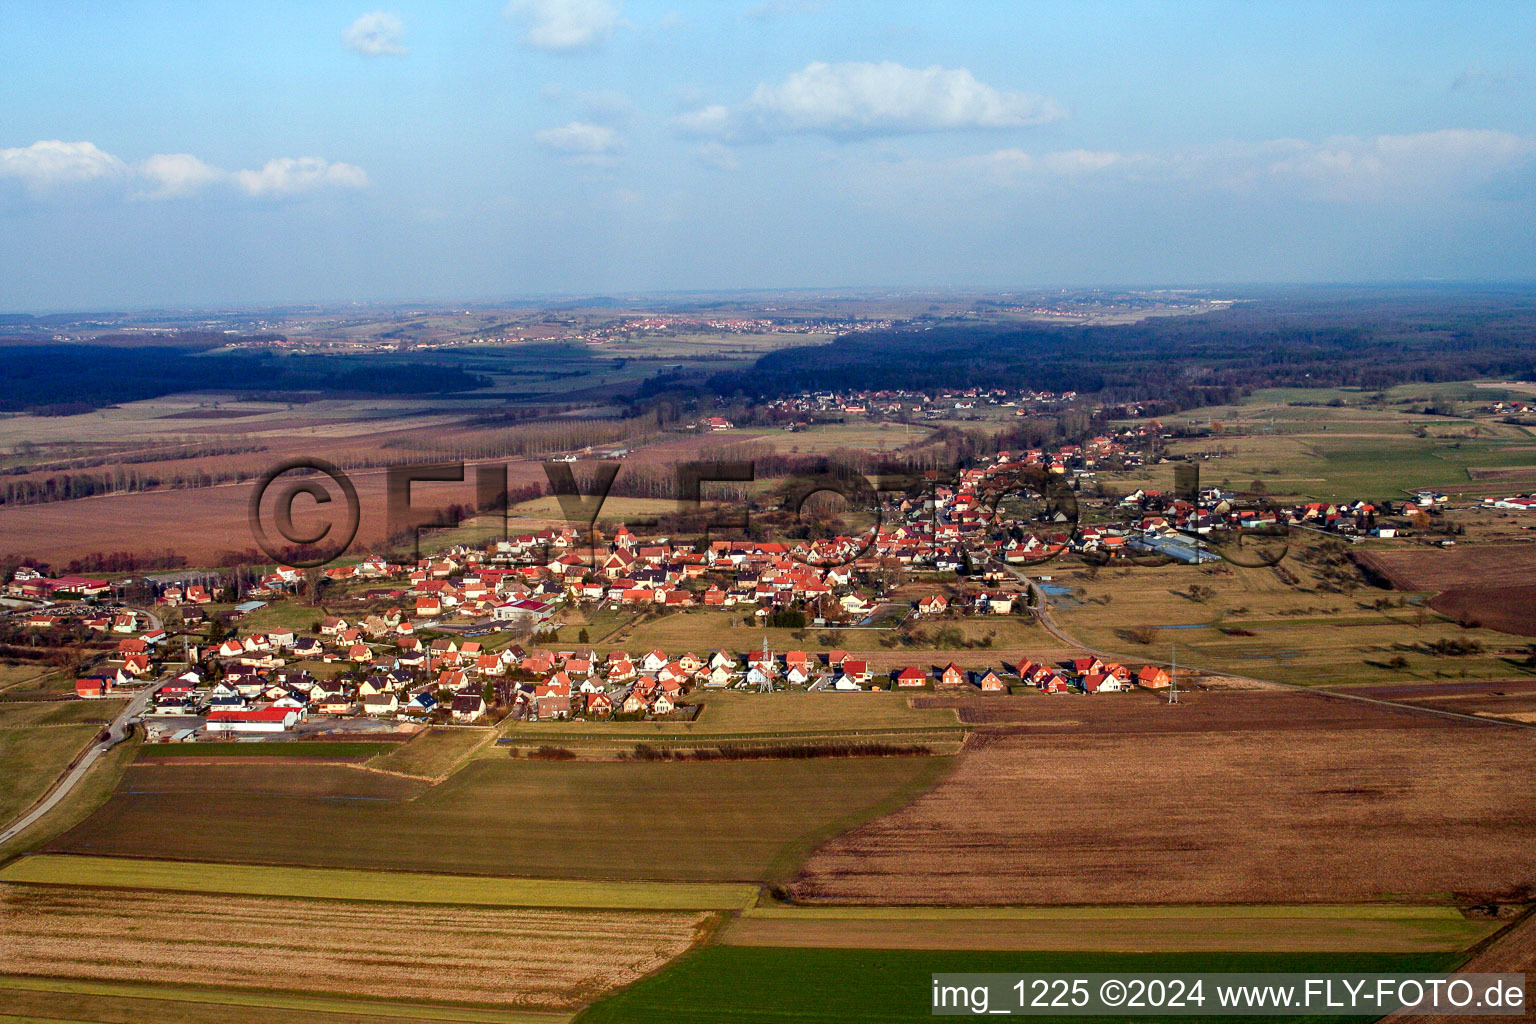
<point>31,1000</point>
<point>766,985</point>
<point>38,741</point>
<point>499,816</point>
<point>517,957</point>
<point>433,753</point>
<point>1489,584</point>
<point>1255,796</point>
<point>374,886</point>
<point>1430,569</point>
<point>1278,929</point>
<point>1325,627</point>
<point>315,750</point>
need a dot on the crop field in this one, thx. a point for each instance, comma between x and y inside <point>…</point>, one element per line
<point>374,886</point>
<point>1256,796</point>
<point>595,820</point>
<point>1488,584</point>
<point>1511,699</point>
<point>314,750</point>
<point>1339,453</point>
<point>433,753</point>
<point>515,957</point>
<point>24,679</point>
<point>1431,569</point>
<point>1277,929</point>
<point>30,1000</point>
<point>1254,622</point>
<point>776,985</point>
<point>38,742</point>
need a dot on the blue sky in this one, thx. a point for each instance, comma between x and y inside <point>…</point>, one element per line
<point>209,154</point>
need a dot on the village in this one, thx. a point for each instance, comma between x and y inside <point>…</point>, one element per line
<point>473,634</point>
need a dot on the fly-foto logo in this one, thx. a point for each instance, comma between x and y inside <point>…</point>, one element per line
<point>306,512</point>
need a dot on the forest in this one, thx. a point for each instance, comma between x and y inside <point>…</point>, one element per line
<point>68,379</point>
<point>1303,338</point>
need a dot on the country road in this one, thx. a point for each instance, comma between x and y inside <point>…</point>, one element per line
<point>116,733</point>
<point>1041,608</point>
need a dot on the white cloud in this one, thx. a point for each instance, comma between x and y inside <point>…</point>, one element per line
<point>858,99</point>
<point>48,164</point>
<point>176,175</point>
<point>1382,167</point>
<point>579,138</point>
<point>565,26</point>
<point>718,155</point>
<point>376,34</point>
<point>51,166</point>
<point>288,175</point>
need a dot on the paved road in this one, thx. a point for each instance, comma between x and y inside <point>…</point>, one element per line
<point>116,733</point>
<point>1042,613</point>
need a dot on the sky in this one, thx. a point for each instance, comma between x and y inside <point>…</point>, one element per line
<point>225,154</point>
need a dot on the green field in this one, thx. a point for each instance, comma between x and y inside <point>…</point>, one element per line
<point>1269,928</point>
<point>38,742</point>
<point>762,985</point>
<point>431,754</point>
<point>383,886</point>
<point>741,821</point>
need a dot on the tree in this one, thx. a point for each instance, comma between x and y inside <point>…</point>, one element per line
<point>582,636</point>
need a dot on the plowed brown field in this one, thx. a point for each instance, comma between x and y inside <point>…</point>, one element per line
<point>1229,797</point>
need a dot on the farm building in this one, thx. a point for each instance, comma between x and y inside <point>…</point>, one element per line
<point>267,719</point>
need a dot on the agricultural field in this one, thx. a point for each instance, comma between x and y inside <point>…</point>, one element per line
<point>20,680</point>
<point>515,957</point>
<point>738,821</point>
<point>1229,797</point>
<point>373,886</point>
<point>776,985</point>
<point>1265,623</point>
<point>1299,446</point>
<point>38,741</point>
<point>1274,928</point>
<point>31,1000</point>
<point>433,753</point>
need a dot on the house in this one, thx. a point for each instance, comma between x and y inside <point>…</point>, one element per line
<point>991,682</point>
<point>93,686</point>
<point>385,703</point>
<point>934,604</point>
<point>1102,682</point>
<point>1153,678</point>
<point>952,678</point>
<point>909,677</point>
<point>552,705</point>
<point>599,705</point>
<point>467,707</point>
